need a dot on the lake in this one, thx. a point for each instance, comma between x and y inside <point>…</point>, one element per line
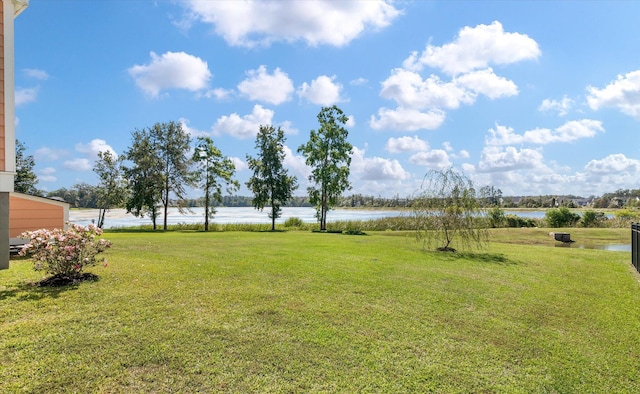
<point>225,215</point>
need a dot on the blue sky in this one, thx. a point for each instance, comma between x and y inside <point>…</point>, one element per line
<point>529,97</point>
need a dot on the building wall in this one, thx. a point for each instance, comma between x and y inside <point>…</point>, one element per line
<point>30,213</point>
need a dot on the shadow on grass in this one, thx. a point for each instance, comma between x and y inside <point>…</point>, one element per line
<point>485,258</point>
<point>31,291</point>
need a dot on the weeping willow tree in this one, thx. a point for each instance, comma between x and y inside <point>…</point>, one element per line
<point>447,212</point>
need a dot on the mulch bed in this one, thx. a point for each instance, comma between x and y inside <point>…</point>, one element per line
<point>65,280</point>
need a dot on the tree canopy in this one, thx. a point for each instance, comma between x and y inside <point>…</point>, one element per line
<point>270,183</point>
<point>25,179</point>
<point>328,153</point>
<point>447,209</point>
<point>213,171</point>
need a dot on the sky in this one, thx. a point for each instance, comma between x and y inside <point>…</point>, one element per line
<point>531,97</point>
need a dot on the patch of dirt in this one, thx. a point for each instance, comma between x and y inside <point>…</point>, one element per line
<point>65,280</point>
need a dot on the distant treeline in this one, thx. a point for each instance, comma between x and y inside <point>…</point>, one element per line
<point>83,195</point>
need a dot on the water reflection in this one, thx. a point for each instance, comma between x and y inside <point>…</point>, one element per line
<point>610,247</point>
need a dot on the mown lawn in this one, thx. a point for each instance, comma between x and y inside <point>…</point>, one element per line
<point>306,312</point>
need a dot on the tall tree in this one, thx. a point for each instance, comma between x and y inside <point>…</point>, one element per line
<point>160,152</point>
<point>213,171</point>
<point>328,153</point>
<point>25,180</point>
<point>112,187</point>
<point>447,208</point>
<point>143,177</point>
<point>270,183</point>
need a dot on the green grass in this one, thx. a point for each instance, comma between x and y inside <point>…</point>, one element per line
<point>315,312</point>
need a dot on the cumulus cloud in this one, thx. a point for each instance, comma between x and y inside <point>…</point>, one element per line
<point>26,95</point>
<point>184,123</point>
<point>623,94</point>
<point>251,23</point>
<point>476,48</point>
<point>408,89</point>
<point>568,132</point>
<point>94,147</point>
<point>613,164</point>
<point>47,174</point>
<point>487,83</point>
<point>78,164</point>
<point>275,88</point>
<point>36,74</point>
<point>376,168</point>
<point>322,91</point>
<point>436,159</point>
<point>494,158</point>
<point>561,107</point>
<point>239,163</point>
<point>351,121</point>
<point>246,126</point>
<point>171,70</point>
<point>406,119</point>
<point>297,165</point>
<point>406,144</point>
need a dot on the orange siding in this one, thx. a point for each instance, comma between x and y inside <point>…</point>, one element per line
<point>27,215</point>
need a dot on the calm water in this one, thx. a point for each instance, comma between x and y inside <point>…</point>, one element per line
<point>224,215</point>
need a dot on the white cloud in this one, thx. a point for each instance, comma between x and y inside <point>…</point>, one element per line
<point>406,119</point>
<point>239,163</point>
<point>351,121</point>
<point>273,88</point>
<point>568,132</point>
<point>409,90</point>
<point>246,126</point>
<point>297,165</point>
<point>25,95</point>
<point>184,123</point>
<point>562,107</point>
<point>476,48</point>
<point>172,70</point>
<point>251,23</point>
<point>94,147</point>
<point>358,82</point>
<point>376,168</point>
<point>47,174</point>
<point>406,144</point>
<point>436,159</point>
<point>49,154</point>
<point>322,91</point>
<point>36,74</point>
<point>623,93</point>
<point>219,93</point>
<point>495,159</point>
<point>613,164</point>
<point>487,83</point>
<point>78,164</point>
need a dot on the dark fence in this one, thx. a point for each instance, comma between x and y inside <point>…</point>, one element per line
<point>635,244</point>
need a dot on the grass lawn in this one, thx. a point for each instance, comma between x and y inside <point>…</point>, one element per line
<point>307,312</point>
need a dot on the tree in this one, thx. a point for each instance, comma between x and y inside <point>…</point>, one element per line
<point>447,208</point>
<point>213,170</point>
<point>270,183</point>
<point>143,177</point>
<point>161,153</point>
<point>561,217</point>
<point>25,180</point>
<point>112,187</point>
<point>328,153</point>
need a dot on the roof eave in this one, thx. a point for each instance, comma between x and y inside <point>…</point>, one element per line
<point>19,6</point>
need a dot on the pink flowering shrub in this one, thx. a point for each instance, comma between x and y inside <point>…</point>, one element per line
<point>65,253</point>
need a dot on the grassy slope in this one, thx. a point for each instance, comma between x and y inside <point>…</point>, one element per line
<point>303,312</point>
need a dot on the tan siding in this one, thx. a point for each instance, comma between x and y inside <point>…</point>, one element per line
<point>27,215</point>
